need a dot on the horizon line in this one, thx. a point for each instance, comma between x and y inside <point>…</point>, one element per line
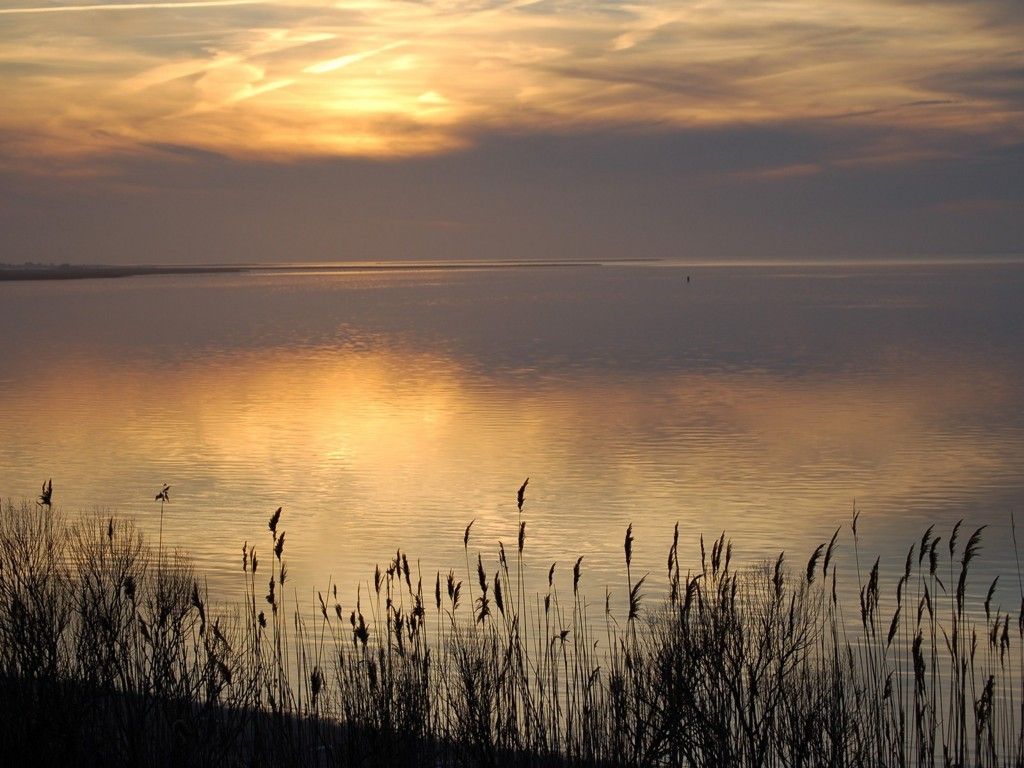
<point>27,271</point>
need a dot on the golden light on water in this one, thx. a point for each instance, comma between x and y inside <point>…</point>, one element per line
<point>367,449</point>
<point>398,407</point>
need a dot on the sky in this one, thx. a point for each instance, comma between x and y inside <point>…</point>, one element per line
<point>227,131</point>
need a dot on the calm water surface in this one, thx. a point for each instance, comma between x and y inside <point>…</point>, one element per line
<point>388,410</point>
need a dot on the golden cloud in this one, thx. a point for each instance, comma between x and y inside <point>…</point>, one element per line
<point>387,78</point>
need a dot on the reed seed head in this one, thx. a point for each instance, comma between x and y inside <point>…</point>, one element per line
<point>520,496</point>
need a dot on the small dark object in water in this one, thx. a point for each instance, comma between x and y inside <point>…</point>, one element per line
<point>687,278</point>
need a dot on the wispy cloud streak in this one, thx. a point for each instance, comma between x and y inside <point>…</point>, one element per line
<point>343,61</point>
<point>385,78</point>
<point>130,6</point>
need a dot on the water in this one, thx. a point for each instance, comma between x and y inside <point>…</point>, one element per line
<point>390,409</point>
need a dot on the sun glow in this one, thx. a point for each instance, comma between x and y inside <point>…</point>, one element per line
<point>402,78</point>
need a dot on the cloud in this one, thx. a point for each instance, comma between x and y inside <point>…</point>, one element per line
<point>782,191</point>
<point>555,125</point>
<point>185,151</point>
<point>322,67</point>
<point>336,79</point>
<point>129,6</point>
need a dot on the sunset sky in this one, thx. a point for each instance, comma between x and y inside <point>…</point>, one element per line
<point>221,131</point>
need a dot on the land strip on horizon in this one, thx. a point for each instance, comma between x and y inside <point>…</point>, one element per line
<point>11,272</point>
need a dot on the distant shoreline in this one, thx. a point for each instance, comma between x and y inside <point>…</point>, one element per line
<point>25,272</point>
<point>62,272</point>
<point>10,273</point>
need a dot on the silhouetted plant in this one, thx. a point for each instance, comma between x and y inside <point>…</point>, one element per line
<point>111,654</point>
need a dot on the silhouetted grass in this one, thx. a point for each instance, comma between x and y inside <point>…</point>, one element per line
<point>110,654</point>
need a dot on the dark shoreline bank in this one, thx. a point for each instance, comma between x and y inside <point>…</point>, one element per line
<point>68,723</point>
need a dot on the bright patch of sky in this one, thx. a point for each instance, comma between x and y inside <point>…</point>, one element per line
<point>395,78</point>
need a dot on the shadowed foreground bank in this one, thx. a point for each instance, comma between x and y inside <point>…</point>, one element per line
<point>110,655</point>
